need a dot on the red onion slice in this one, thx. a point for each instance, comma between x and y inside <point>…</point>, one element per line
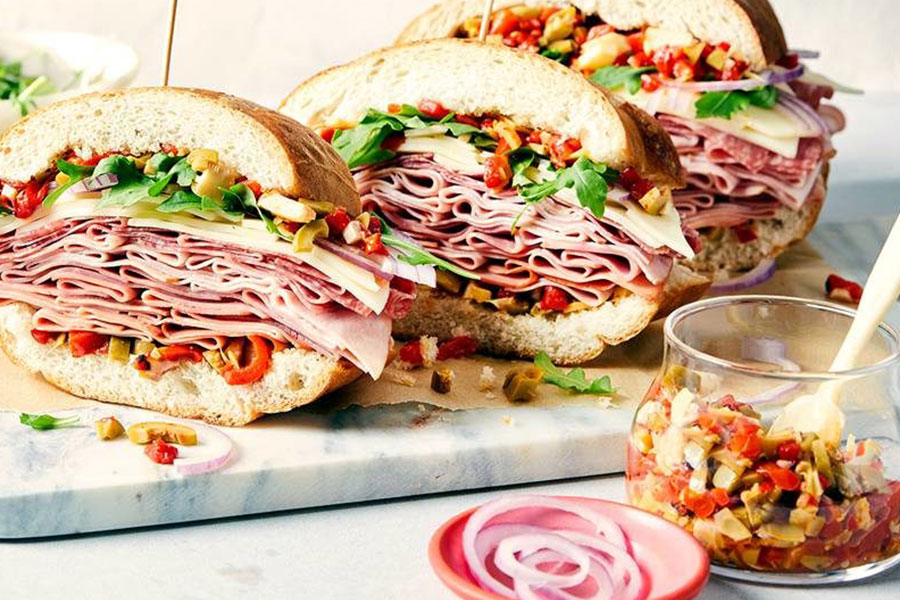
<point>801,53</point>
<point>90,184</point>
<point>598,564</point>
<point>755,276</point>
<point>215,450</point>
<point>386,267</point>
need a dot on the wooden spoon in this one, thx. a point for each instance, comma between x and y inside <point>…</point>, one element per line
<point>819,412</point>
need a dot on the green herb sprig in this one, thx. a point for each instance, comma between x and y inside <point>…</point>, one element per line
<point>413,254</point>
<point>725,104</point>
<point>574,380</point>
<point>614,77</point>
<point>47,422</point>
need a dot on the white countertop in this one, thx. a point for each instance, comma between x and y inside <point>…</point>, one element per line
<point>378,550</point>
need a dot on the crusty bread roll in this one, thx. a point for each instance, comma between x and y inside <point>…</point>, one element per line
<point>472,78</point>
<point>191,391</point>
<point>262,145</point>
<point>259,143</point>
<point>568,339</point>
<point>750,26</point>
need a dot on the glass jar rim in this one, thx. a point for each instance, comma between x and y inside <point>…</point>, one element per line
<point>693,308</point>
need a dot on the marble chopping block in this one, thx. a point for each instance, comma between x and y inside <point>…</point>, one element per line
<point>66,481</point>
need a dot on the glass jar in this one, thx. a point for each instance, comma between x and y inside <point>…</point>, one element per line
<point>782,507</point>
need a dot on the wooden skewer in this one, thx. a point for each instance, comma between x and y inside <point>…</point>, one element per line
<point>485,19</point>
<point>174,8</point>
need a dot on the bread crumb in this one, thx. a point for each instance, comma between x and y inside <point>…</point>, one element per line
<point>460,331</point>
<point>399,377</point>
<point>488,379</point>
<point>605,402</point>
<point>509,420</point>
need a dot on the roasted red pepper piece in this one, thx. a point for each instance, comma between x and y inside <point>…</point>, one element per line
<point>338,220</point>
<point>497,173</point>
<point>433,109</point>
<point>842,289</point>
<point>374,245</point>
<point>457,347</point>
<point>701,505</point>
<point>780,476</point>
<point>554,299</point>
<point>744,232</point>
<point>82,343</point>
<point>179,352</point>
<point>253,186</point>
<point>44,337</point>
<point>30,198</point>
<point>258,363</point>
<point>789,451</point>
<point>411,353</point>
<point>160,452</point>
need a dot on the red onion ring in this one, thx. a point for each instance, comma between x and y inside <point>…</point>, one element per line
<point>222,450</point>
<point>755,276</point>
<point>603,557</point>
<point>90,184</point>
<point>803,112</point>
<point>386,267</point>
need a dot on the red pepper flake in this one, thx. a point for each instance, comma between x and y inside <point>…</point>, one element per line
<point>457,347</point>
<point>744,232</point>
<point>160,452</point>
<point>411,353</point>
<point>141,363</point>
<point>44,337</point>
<point>338,221</point>
<point>83,343</point>
<point>838,288</point>
<point>554,299</point>
<point>433,109</point>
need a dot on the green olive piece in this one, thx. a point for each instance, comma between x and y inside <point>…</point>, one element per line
<point>119,350</point>
<point>521,383</point>
<point>511,305</point>
<point>321,207</point>
<point>448,282</point>
<point>441,380</point>
<point>306,235</point>
<point>171,433</point>
<point>108,428</point>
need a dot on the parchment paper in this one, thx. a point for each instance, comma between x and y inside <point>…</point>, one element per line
<point>632,365</point>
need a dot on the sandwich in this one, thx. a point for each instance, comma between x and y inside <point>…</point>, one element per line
<point>191,253</point>
<point>743,111</point>
<point>552,201</point>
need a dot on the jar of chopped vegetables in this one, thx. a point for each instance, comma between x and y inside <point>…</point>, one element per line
<point>784,505</point>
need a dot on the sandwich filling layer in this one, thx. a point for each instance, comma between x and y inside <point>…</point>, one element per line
<point>154,266</point>
<point>535,224</point>
<point>750,142</point>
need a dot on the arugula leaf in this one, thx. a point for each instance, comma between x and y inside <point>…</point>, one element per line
<point>574,380</point>
<point>725,104</point>
<point>162,162</point>
<point>181,171</point>
<point>519,160</point>
<point>132,187</point>
<point>413,254</point>
<point>614,77</point>
<point>4,211</point>
<point>249,200</point>
<point>590,186</point>
<point>179,201</point>
<point>20,90</point>
<point>555,55</point>
<point>45,422</point>
<point>75,172</point>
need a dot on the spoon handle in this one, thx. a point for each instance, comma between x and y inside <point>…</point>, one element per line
<point>881,291</point>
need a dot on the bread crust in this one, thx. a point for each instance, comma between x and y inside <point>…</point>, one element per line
<point>307,166</point>
<point>610,130</point>
<point>568,339</point>
<point>190,391</point>
<point>760,37</point>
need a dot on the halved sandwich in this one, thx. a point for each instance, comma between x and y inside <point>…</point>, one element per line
<point>746,119</point>
<point>179,250</point>
<point>552,202</point>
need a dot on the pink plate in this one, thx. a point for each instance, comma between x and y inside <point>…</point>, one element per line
<point>675,564</point>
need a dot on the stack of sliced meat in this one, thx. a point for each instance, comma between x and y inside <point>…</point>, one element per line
<point>458,218</point>
<point>732,181</point>
<point>101,275</point>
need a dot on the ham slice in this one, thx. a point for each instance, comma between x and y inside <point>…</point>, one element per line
<point>101,275</point>
<point>456,217</point>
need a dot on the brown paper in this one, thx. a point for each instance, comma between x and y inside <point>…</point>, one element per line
<point>631,366</point>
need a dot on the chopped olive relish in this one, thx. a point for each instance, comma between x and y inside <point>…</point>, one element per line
<point>640,59</point>
<point>785,501</point>
<point>240,361</point>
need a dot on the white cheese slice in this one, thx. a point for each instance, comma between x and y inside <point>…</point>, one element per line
<point>448,151</point>
<point>656,231</point>
<point>772,129</point>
